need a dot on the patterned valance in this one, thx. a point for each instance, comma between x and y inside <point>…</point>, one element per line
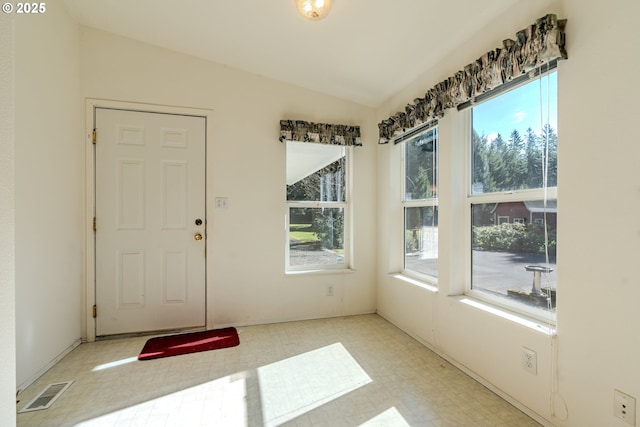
<point>321,133</point>
<point>535,45</point>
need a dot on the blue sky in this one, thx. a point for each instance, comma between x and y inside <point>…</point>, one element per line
<point>519,109</point>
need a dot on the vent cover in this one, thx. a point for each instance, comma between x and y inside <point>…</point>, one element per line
<point>47,397</point>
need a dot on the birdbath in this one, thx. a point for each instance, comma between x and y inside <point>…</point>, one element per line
<point>537,273</point>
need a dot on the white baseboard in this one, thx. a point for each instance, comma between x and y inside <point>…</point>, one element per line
<point>48,366</point>
<point>293,319</point>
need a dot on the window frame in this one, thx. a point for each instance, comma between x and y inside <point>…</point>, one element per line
<point>345,205</point>
<point>470,199</point>
<point>417,203</point>
<point>503,219</point>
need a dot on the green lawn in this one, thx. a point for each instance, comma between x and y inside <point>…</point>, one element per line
<point>302,233</point>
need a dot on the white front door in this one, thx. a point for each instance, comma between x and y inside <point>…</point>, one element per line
<point>150,221</point>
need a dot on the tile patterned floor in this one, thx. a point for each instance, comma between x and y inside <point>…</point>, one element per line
<point>350,371</point>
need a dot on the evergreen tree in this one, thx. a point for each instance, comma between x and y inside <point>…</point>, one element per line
<point>420,167</point>
<point>482,179</point>
<point>515,163</point>
<point>550,137</point>
<point>496,161</point>
<point>533,160</point>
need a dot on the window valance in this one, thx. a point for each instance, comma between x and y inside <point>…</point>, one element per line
<point>540,43</point>
<point>320,133</point>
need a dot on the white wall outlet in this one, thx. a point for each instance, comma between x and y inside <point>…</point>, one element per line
<point>330,290</point>
<point>529,361</point>
<point>222,202</point>
<point>624,407</point>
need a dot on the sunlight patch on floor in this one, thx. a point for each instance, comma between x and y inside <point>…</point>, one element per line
<point>288,389</point>
<point>222,400</point>
<point>390,417</point>
<point>294,386</point>
<point>115,363</point>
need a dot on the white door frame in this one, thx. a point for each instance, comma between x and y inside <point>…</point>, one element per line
<point>88,327</point>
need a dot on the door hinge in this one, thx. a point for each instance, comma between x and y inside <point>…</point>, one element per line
<point>95,311</point>
<point>94,224</point>
<point>93,136</point>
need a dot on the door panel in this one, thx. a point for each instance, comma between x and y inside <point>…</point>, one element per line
<point>150,189</point>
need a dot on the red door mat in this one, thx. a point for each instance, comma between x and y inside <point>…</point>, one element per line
<point>193,342</point>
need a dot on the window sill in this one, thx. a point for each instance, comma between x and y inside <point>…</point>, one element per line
<point>533,324</point>
<point>413,281</point>
<point>328,271</point>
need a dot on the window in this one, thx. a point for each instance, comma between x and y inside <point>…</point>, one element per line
<point>317,217</point>
<point>420,204</point>
<point>514,175</point>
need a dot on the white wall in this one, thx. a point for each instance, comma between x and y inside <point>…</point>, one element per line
<point>49,188</point>
<point>246,163</point>
<point>598,319</point>
<point>7,225</point>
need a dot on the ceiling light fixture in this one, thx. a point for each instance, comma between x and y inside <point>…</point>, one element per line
<point>313,10</point>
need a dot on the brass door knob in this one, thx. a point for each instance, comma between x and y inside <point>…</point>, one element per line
<point>198,236</point>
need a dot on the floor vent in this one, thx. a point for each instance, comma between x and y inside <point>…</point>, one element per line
<point>47,397</point>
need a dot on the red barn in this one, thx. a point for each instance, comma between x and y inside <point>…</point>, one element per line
<point>530,212</point>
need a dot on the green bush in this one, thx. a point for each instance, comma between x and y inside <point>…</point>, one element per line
<point>513,238</point>
<point>329,226</point>
<point>410,241</point>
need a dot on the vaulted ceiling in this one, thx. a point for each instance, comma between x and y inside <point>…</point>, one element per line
<point>364,51</point>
